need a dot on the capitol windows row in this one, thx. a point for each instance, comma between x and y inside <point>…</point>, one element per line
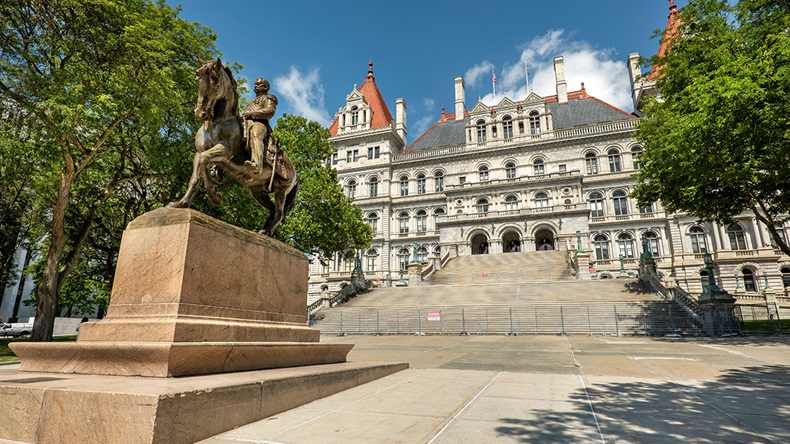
<point>482,131</point>
<point>613,160</point>
<point>620,204</point>
<point>403,220</point>
<point>625,246</point>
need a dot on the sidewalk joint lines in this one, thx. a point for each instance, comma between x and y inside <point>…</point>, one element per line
<point>464,408</point>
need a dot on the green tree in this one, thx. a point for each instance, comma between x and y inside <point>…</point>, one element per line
<point>324,221</point>
<point>717,139</point>
<point>95,83</point>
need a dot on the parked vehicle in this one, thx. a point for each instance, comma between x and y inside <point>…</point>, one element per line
<point>18,330</point>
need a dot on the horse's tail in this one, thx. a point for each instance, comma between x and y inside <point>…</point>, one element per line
<point>290,198</point>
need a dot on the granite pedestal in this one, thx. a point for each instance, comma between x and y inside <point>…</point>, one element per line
<point>191,296</point>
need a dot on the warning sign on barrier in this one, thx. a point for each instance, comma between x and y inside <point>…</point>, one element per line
<point>434,316</point>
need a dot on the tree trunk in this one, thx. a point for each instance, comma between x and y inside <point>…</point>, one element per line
<point>47,289</point>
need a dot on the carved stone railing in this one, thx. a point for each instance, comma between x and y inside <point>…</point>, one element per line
<point>677,294</point>
<point>573,262</point>
<point>345,293</point>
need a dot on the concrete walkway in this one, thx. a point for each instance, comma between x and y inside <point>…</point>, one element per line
<point>494,389</point>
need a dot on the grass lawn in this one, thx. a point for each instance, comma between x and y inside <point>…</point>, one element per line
<point>7,355</point>
<point>766,326</point>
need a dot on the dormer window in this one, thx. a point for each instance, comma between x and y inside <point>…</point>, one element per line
<point>481,131</point>
<point>354,115</point>
<point>534,122</point>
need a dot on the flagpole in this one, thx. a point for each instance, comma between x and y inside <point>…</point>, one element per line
<point>526,74</point>
<point>493,81</point>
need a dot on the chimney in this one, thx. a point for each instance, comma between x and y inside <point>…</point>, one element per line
<point>460,106</point>
<point>559,75</point>
<point>400,119</point>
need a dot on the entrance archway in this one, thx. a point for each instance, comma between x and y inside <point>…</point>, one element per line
<point>480,244</point>
<point>544,240</point>
<point>511,242</point>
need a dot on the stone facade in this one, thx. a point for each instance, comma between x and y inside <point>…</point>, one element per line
<point>524,175</point>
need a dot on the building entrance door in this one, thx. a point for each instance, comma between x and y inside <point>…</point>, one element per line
<point>480,244</point>
<point>544,240</point>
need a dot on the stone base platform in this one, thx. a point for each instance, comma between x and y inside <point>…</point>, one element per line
<point>168,359</point>
<point>64,408</point>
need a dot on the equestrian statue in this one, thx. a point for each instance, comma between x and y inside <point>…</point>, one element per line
<point>242,146</point>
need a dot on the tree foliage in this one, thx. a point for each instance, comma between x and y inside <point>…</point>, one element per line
<point>717,139</point>
<point>101,89</point>
<point>324,221</point>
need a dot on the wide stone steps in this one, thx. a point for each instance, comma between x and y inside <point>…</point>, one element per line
<point>492,293</point>
<point>540,266</point>
<point>636,318</point>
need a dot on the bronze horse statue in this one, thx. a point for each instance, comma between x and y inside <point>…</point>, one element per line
<point>221,146</point>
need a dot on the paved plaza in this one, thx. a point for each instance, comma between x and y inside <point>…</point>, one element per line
<point>499,389</point>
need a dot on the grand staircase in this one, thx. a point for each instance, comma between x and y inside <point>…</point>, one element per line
<point>515,293</point>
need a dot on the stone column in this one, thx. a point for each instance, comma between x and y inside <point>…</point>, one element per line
<point>583,259</point>
<point>415,273</point>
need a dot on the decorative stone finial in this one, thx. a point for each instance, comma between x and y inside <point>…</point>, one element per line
<point>370,69</point>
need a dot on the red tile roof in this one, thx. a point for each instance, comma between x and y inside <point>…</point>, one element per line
<point>370,91</point>
<point>670,34</point>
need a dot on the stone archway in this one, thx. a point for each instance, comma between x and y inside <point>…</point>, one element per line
<point>511,242</point>
<point>480,244</point>
<point>544,240</point>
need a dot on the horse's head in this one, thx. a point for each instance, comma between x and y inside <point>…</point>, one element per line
<point>208,78</point>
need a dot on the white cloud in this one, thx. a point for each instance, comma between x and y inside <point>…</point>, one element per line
<point>303,93</point>
<point>603,76</point>
<point>428,104</point>
<point>473,75</point>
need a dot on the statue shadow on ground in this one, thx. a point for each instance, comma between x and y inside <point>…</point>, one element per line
<point>670,412</point>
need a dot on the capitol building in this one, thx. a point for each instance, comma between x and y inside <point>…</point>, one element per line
<point>529,174</point>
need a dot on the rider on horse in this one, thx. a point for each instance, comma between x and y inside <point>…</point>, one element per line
<point>258,131</point>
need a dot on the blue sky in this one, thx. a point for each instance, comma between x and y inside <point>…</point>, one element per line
<point>313,52</point>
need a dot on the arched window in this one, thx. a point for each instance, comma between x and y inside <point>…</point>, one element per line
<point>596,205</point>
<point>421,218</point>
<point>785,276</point>
<point>781,231</point>
<point>507,128</point>
<point>511,202</point>
<point>620,203</point>
<point>534,122</point>
<point>626,245</point>
<point>737,239</point>
<point>704,281</point>
<point>646,209</point>
<point>698,243</point>
<point>636,154</point>
<point>403,258</point>
<point>354,115</point>
<point>372,257</point>
<point>422,254</point>
<point>437,251</point>
<point>374,186</point>
<point>483,173</point>
<point>614,160</point>
<point>601,244</point>
<point>510,170</point>
<point>541,200</point>
<point>482,205</point>
<point>591,160</point>
<point>421,183</point>
<point>438,181</point>
<point>437,213</point>
<point>404,185</point>
<point>539,167</point>
<point>749,283</point>
<point>373,221</point>
<point>481,131</point>
<point>351,188</point>
<point>403,222</point>
<point>652,243</point>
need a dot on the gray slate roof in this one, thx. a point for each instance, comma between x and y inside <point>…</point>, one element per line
<point>581,112</point>
<point>577,112</point>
